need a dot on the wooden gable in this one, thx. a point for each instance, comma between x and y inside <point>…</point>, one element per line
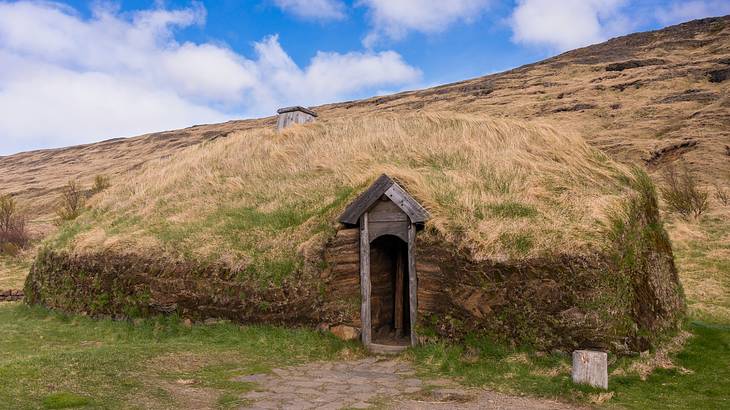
<point>384,186</point>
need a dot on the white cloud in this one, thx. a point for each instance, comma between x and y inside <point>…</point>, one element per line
<point>329,76</point>
<point>395,18</point>
<point>567,24</point>
<point>682,11</point>
<point>313,9</point>
<point>67,80</point>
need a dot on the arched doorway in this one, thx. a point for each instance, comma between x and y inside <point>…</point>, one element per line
<point>389,291</point>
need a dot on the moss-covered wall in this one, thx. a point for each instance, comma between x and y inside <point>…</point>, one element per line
<point>621,298</point>
<point>132,285</point>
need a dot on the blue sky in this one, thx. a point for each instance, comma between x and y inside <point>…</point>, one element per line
<point>75,71</point>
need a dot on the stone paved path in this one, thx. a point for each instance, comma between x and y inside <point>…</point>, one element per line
<point>379,382</point>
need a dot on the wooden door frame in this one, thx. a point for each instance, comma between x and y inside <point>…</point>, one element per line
<point>366,288</point>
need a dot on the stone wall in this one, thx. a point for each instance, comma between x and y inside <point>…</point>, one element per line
<point>11,295</point>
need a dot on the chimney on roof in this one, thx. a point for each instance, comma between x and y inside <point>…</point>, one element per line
<point>294,115</point>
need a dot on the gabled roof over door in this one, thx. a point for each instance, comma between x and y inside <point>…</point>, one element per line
<point>384,185</point>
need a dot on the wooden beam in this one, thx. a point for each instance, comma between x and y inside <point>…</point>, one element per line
<point>378,229</point>
<point>365,280</point>
<point>410,206</point>
<point>398,310</point>
<point>296,108</point>
<point>412,281</point>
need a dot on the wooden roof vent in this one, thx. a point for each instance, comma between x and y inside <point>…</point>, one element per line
<point>294,115</point>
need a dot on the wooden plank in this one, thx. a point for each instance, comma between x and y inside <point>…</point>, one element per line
<point>399,295</point>
<point>296,108</point>
<point>378,229</point>
<point>410,206</point>
<point>412,281</point>
<point>365,279</point>
<point>400,217</point>
<point>386,211</point>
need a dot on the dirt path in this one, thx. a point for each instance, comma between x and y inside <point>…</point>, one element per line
<point>372,382</point>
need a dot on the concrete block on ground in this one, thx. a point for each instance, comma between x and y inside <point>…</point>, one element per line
<point>590,367</point>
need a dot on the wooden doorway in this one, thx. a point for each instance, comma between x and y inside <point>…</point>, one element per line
<point>392,261</point>
<point>388,218</point>
<point>389,295</point>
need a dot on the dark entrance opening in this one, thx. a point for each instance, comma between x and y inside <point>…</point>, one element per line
<point>390,306</point>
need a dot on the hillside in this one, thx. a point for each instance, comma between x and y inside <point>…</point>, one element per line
<point>647,98</point>
<point>190,204</point>
<point>471,173</point>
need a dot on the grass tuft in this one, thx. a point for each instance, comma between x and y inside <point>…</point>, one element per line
<point>511,209</point>
<point>65,400</point>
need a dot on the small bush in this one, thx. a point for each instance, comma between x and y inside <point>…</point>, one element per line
<point>13,233</point>
<point>722,194</point>
<point>682,193</point>
<point>8,212</point>
<point>72,201</point>
<point>101,182</point>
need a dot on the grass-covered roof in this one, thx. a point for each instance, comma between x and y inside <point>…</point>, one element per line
<point>257,200</point>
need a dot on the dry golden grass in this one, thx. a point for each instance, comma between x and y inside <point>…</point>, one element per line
<point>661,358</point>
<point>13,271</point>
<point>35,178</point>
<point>702,251</point>
<point>498,188</point>
<point>629,114</point>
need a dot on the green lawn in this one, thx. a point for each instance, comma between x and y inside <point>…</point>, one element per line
<point>50,360</point>
<point>700,380</point>
<point>705,386</point>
